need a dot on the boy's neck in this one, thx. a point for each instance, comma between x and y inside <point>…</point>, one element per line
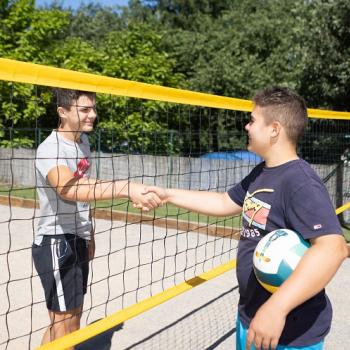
<point>277,162</point>
<point>69,134</point>
<point>279,157</point>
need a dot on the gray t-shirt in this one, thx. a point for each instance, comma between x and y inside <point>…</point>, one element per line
<point>59,216</point>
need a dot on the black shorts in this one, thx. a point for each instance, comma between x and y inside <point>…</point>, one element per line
<point>62,263</point>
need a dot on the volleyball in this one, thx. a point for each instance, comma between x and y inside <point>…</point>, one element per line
<point>276,256</point>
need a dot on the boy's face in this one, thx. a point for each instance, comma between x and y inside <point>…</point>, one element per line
<point>81,116</point>
<point>259,133</point>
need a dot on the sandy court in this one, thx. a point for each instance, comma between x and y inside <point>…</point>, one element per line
<point>129,267</point>
<point>132,262</point>
<point>204,318</point>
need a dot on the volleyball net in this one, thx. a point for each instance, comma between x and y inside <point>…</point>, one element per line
<point>151,135</point>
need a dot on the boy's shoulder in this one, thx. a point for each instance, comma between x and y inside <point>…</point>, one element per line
<point>52,138</point>
<point>294,167</point>
<point>47,141</point>
<point>50,145</point>
<point>291,174</point>
<point>299,175</point>
<point>297,167</point>
<point>301,168</point>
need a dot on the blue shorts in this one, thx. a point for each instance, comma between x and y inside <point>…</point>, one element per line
<point>241,339</point>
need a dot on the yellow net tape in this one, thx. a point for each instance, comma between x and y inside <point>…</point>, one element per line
<point>56,77</point>
<point>23,72</point>
<point>343,208</point>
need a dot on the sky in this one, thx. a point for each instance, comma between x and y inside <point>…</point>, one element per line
<point>76,3</point>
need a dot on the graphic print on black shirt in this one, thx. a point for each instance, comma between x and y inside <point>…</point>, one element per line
<point>255,212</point>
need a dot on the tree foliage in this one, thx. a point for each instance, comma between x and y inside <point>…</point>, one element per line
<point>60,38</point>
<point>26,34</point>
<point>245,45</point>
<point>225,47</point>
<point>325,78</point>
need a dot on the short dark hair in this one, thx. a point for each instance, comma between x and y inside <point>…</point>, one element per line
<point>286,106</point>
<point>65,97</point>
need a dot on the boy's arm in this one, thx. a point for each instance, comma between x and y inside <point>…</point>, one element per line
<point>314,271</point>
<point>204,202</point>
<point>72,188</point>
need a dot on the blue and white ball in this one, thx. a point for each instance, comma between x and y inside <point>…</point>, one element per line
<point>276,256</point>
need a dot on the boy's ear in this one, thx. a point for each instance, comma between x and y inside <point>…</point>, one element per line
<point>61,115</point>
<point>276,128</point>
<point>61,112</point>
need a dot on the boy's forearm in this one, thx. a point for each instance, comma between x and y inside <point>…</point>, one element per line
<point>204,202</point>
<point>86,190</point>
<point>313,273</point>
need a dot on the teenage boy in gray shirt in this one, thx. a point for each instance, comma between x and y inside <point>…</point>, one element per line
<point>64,241</point>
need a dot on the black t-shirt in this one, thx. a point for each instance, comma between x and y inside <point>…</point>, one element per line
<point>288,196</point>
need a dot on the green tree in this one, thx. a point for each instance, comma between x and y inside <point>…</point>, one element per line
<point>224,47</point>
<point>325,78</point>
<point>184,14</point>
<point>235,48</point>
<point>26,34</point>
<point>132,53</point>
<point>50,36</point>
<point>135,54</point>
<point>91,22</point>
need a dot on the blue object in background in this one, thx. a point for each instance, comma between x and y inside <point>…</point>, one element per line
<point>234,155</point>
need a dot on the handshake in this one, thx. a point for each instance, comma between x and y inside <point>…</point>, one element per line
<point>147,198</point>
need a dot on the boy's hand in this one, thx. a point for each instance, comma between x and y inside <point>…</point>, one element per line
<point>142,198</point>
<point>266,328</point>
<point>160,192</point>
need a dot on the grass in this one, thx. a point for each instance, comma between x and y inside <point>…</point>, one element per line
<point>124,205</point>
<point>25,192</point>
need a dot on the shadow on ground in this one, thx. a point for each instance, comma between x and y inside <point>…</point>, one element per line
<point>102,341</point>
